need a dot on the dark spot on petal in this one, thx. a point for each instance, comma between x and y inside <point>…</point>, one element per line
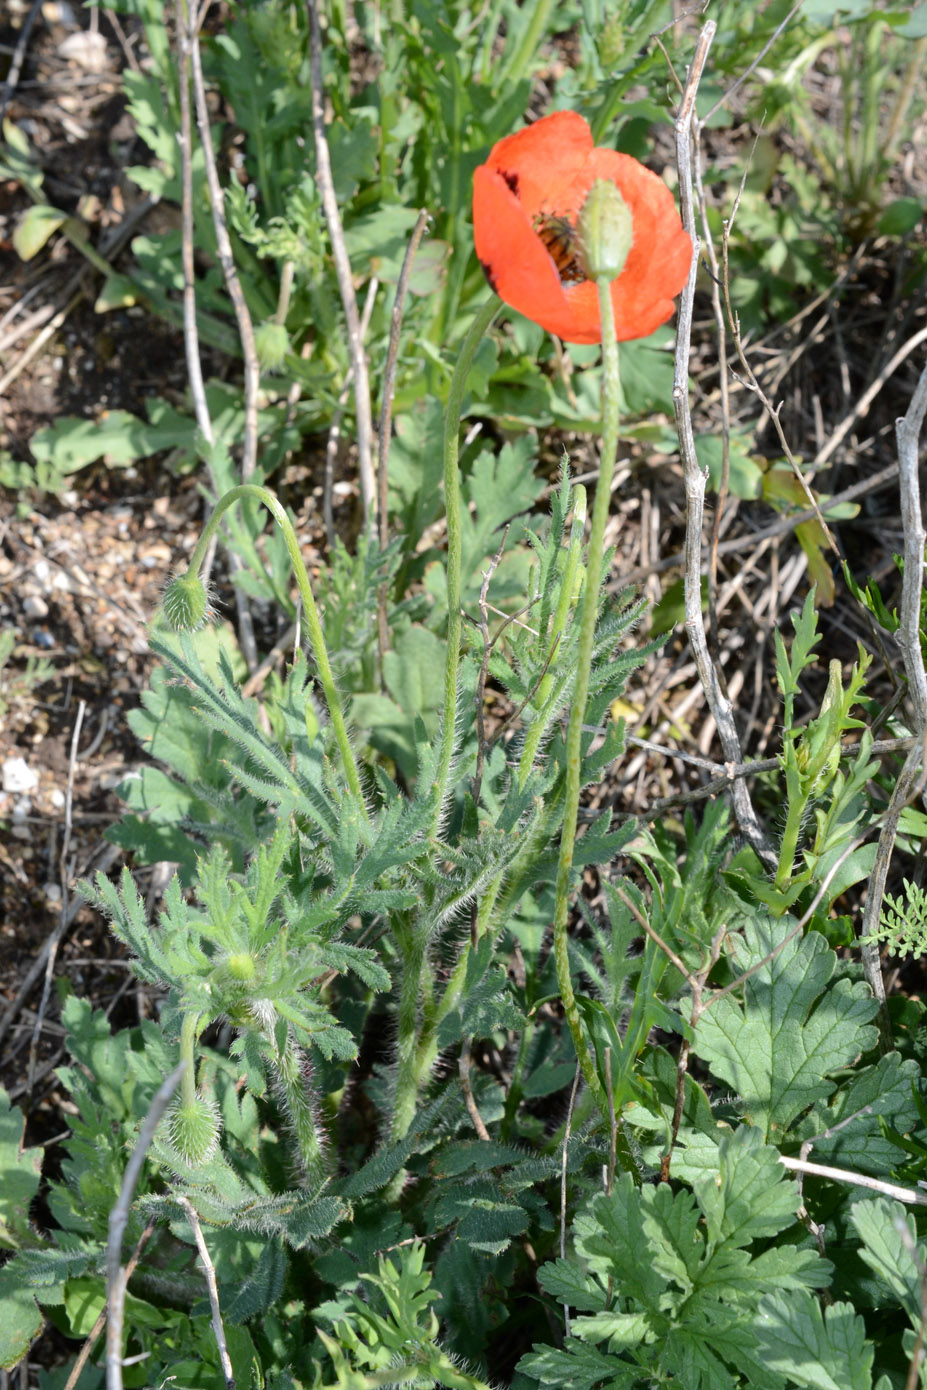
<point>487,271</point>
<point>511,180</point>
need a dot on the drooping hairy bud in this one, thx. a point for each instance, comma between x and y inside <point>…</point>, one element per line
<point>194,1130</point>
<point>271,343</point>
<point>186,603</point>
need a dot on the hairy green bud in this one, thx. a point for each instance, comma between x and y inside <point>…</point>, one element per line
<point>186,603</point>
<point>241,967</point>
<point>271,343</point>
<point>194,1130</point>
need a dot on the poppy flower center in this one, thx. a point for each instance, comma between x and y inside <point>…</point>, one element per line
<point>561,242</point>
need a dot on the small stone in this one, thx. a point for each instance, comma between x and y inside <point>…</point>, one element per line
<point>35,607</point>
<point>18,776</point>
<point>57,799</point>
<point>52,892</point>
<point>61,582</point>
<point>21,809</point>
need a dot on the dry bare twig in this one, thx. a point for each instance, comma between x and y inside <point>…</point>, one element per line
<point>323,174</point>
<point>84,1353</point>
<point>66,869</point>
<point>385,430</point>
<point>334,432</point>
<point>908,431</point>
<point>116,1276</point>
<point>209,1271</point>
<point>226,258</point>
<point>190,59</point>
<point>695,479</point>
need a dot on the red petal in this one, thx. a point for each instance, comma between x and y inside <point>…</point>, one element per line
<point>543,159</point>
<point>513,256</point>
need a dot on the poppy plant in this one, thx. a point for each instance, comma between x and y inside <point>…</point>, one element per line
<point>527,200</point>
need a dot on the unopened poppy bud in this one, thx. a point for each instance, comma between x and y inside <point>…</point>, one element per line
<point>271,343</point>
<point>606,231</point>
<point>611,41</point>
<point>194,1130</point>
<point>186,603</point>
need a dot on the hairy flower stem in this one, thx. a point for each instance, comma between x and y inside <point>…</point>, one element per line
<point>409,1024</point>
<point>320,651</point>
<point>565,601</point>
<point>188,1032</point>
<point>475,335</point>
<point>291,1066</point>
<point>588,614</point>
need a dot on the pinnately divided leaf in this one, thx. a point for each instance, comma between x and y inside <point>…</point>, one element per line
<point>669,1280</point>
<point>814,1350</point>
<point>779,1047</point>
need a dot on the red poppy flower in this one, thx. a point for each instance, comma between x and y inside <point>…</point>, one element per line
<point>526,201</point>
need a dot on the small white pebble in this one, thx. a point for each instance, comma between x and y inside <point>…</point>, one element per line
<point>21,808</point>
<point>61,582</point>
<point>57,799</point>
<point>42,571</point>
<point>35,607</point>
<point>53,892</point>
<point>18,776</point>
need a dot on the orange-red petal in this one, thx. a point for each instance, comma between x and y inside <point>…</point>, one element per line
<point>548,169</point>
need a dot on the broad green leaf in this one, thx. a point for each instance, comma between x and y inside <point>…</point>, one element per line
<point>750,1197</point>
<point>34,228</point>
<point>20,1318</point>
<point>117,437</point>
<point>578,1366</point>
<point>877,1221</point>
<point>779,1047</point>
<point>745,474</point>
<point>850,1122</point>
<point>814,1350</point>
<point>414,672</point>
<point>20,1169</point>
<point>568,1282</point>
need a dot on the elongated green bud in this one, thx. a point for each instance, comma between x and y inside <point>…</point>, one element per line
<point>606,230</point>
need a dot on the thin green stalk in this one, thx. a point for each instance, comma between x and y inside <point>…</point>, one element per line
<point>514,69</point>
<point>475,335</point>
<point>789,846</point>
<point>311,613</point>
<point>188,1031</point>
<point>588,616</point>
<point>414,965</point>
<point>290,1065</point>
<point>539,727</point>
